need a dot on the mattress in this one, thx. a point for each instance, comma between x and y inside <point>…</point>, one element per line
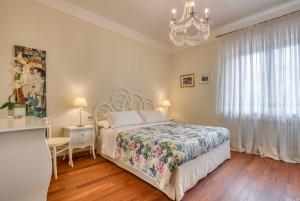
<point>184,177</point>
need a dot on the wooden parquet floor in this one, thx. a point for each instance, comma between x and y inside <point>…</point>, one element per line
<point>242,178</point>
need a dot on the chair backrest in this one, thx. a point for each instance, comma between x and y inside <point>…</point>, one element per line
<point>48,121</point>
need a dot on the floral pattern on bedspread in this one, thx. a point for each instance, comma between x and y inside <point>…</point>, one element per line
<point>158,150</point>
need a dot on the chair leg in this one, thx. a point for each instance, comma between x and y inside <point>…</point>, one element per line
<point>70,156</point>
<point>93,151</point>
<point>54,163</point>
<point>64,157</point>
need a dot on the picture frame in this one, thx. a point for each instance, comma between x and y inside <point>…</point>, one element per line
<point>31,64</point>
<point>187,80</point>
<point>205,78</point>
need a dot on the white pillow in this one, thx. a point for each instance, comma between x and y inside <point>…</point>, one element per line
<point>124,118</point>
<point>104,124</point>
<point>153,116</point>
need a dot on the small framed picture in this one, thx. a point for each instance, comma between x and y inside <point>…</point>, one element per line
<point>205,78</point>
<point>187,80</point>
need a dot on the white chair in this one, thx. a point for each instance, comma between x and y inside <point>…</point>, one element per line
<point>61,143</point>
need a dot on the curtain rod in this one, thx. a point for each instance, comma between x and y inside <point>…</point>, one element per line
<point>263,22</point>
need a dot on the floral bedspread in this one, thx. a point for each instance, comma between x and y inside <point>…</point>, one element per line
<point>158,150</point>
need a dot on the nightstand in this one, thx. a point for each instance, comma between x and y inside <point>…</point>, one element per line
<point>81,137</point>
<point>171,119</point>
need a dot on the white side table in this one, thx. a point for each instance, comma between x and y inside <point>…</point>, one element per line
<point>171,119</point>
<point>81,137</point>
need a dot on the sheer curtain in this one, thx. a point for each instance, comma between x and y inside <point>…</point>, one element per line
<point>259,88</point>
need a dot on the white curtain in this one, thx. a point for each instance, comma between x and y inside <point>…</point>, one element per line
<point>259,88</point>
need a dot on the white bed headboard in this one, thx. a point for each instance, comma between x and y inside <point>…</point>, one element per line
<point>121,100</point>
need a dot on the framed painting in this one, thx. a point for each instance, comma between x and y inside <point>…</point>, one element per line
<point>187,80</point>
<point>205,78</point>
<point>32,73</point>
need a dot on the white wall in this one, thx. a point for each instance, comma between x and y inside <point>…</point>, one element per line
<point>82,59</point>
<point>197,104</point>
<point>86,60</point>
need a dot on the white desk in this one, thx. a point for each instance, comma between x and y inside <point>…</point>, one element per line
<point>25,167</point>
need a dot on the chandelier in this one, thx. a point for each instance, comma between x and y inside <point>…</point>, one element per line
<point>191,28</point>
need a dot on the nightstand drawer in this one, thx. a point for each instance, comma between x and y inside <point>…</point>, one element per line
<point>81,138</point>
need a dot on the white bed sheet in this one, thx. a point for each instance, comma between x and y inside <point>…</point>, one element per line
<point>185,176</point>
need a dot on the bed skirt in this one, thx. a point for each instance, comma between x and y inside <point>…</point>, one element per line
<point>187,175</point>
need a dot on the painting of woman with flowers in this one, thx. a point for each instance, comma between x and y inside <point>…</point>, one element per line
<point>29,80</point>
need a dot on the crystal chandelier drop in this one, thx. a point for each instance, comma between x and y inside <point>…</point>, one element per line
<point>191,28</point>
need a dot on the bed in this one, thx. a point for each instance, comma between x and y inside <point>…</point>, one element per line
<point>171,157</point>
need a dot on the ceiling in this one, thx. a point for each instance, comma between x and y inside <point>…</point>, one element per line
<point>151,17</point>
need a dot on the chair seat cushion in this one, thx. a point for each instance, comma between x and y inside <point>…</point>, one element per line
<point>58,141</point>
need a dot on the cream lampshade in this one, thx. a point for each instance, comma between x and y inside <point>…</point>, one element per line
<point>166,104</point>
<point>80,102</point>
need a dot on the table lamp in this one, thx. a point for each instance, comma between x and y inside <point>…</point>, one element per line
<point>80,102</point>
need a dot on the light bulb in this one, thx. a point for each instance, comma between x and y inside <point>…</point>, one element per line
<point>173,14</point>
<point>206,12</point>
<point>192,7</point>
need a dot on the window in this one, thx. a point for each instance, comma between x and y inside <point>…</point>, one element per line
<point>260,72</point>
